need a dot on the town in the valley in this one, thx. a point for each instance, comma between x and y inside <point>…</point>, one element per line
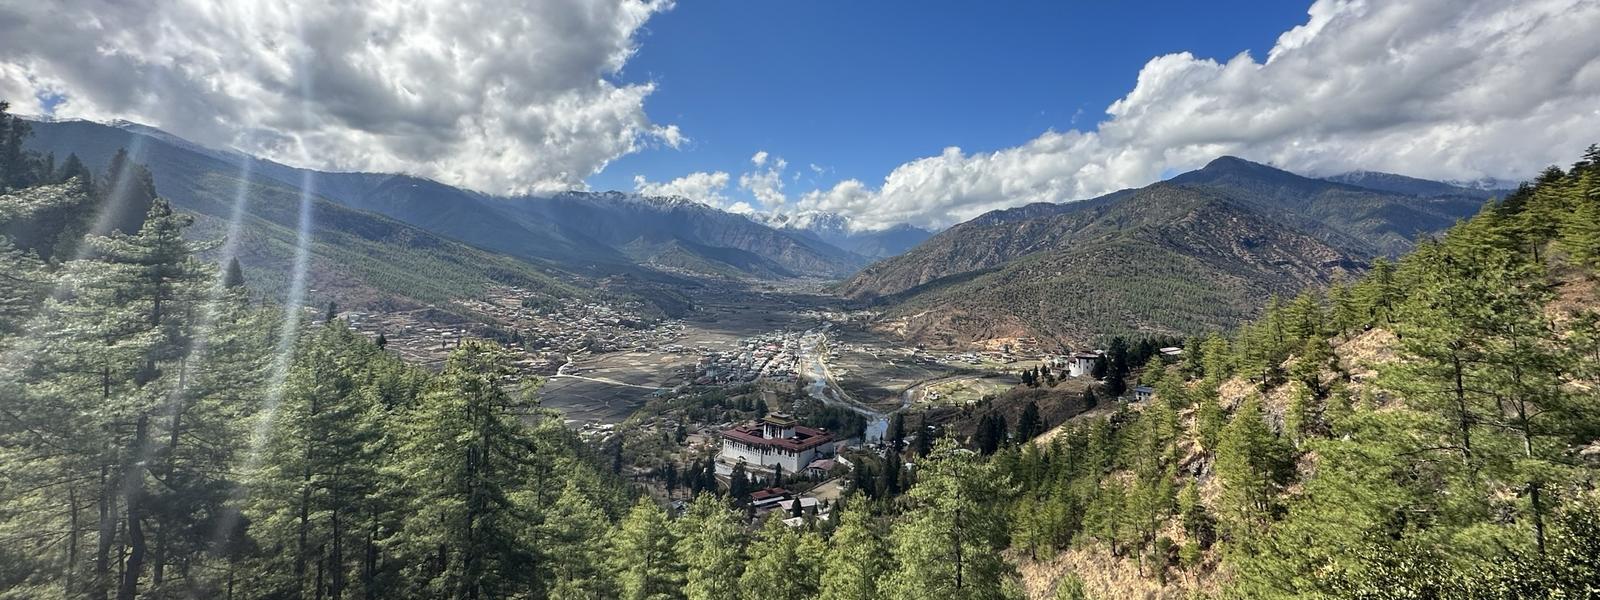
<point>778,396</point>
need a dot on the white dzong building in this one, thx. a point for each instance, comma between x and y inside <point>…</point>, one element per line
<point>777,440</point>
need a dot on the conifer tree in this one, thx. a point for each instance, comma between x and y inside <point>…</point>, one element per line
<point>233,275</point>
<point>777,567</point>
<point>948,543</point>
<point>321,460</point>
<point>128,192</point>
<point>1070,587</point>
<point>1208,419</point>
<point>1250,463</point>
<point>711,550</point>
<point>1029,425</point>
<point>23,285</point>
<point>646,561</point>
<point>857,563</point>
<point>469,453</point>
<point>1218,358</point>
<point>579,537</point>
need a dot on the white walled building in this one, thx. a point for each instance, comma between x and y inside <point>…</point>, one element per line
<point>1082,364</point>
<point>776,440</point>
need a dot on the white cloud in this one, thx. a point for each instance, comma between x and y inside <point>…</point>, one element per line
<point>766,184</point>
<point>501,96</point>
<point>702,187</point>
<point>1433,88</point>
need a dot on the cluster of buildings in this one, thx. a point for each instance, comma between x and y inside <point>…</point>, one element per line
<point>568,326</point>
<point>778,499</point>
<point>543,331</point>
<point>772,357</point>
<point>423,336</point>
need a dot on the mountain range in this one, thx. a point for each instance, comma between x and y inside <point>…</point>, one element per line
<point>561,243</point>
<point>1198,252</point>
<point>838,230</point>
<point>1194,253</point>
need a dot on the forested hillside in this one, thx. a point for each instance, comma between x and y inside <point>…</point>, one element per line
<point>1184,256</point>
<point>593,234</point>
<point>1427,432</point>
<point>357,257</point>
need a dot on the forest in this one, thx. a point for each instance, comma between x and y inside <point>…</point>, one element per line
<point>1428,431</point>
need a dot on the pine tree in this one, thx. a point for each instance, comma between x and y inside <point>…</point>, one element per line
<point>1117,367</point>
<point>24,286</point>
<point>1218,358</point>
<point>924,438</point>
<point>1070,587</point>
<point>73,168</point>
<point>738,484</point>
<point>1029,425</point>
<point>858,561</point>
<point>712,549</point>
<point>115,390</point>
<point>321,459</point>
<point>646,560</point>
<point>129,192</point>
<point>579,537</point>
<point>777,568</point>
<point>19,168</point>
<point>469,454</point>
<point>1379,293</point>
<point>1251,464</point>
<point>233,275</point>
<point>949,543</point>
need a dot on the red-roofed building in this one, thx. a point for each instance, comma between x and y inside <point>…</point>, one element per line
<point>777,440</point>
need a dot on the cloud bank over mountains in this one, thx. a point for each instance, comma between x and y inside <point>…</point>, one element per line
<point>500,96</point>
<point>1446,89</point>
<point>508,97</point>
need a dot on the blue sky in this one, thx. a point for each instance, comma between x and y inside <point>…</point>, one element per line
<point>859,87</point>
<point>927,113</point>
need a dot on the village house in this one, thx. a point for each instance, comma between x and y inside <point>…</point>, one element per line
<point>1143,393</point>
<point>1081,364</point>
<point>776,441</point>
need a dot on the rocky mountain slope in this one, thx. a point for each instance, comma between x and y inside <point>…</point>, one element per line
<point>1198,252</point>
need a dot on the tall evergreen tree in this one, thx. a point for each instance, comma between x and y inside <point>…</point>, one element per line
<point>1029,425</point>
<point>579,538</point>
<point>779,567</point>
<point>468,453</point>
<point>858,561</point>
<point>711,550</point>
<point>646,559</point>
<point>948,543</point>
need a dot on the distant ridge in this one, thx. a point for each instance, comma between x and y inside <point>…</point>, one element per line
<point>584,233</point>
<point>1198,252</point>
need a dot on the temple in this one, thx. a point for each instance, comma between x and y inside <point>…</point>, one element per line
<point>776,441</point>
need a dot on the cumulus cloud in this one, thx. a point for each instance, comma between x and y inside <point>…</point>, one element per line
<point>500,96</point>
<point>702,187</point>
<point>766,182</point>
<point>1457,89</point>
